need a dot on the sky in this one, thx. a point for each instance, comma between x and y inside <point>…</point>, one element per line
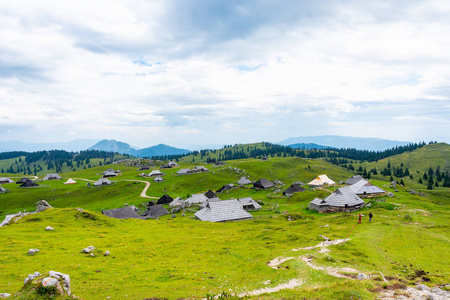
<point>212,72</point>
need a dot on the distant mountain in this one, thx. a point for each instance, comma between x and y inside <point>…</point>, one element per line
<point>113,146</point>
<point>308,146</point>
<point>336,141</point>
<point>75,145</point>
<point>159,150</point>
<point>124,148</point>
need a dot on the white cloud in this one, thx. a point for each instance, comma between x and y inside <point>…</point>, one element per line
<point>152,71</point>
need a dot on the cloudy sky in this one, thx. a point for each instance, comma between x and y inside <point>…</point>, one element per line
<point>205,72</point>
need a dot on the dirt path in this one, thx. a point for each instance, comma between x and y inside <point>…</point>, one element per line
<point>284,286</point>
<point>144,191</point>
<point>322,245</point>
<point>336,272</point>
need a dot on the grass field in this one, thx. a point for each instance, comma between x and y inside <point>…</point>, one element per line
<point>185,258</point>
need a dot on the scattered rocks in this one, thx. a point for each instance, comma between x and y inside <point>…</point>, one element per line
<point>4,295</point>
<point>173,216</point>
<point>88,249</point>
<point>51,283</point>
<point>32,251</point>
<point>324,237</point>
<point>362,276</point>
<point>92,254</point>
<point>183,215</point>
<point>80,209</point>
<point>408,217</point>
<point>49,228</point>
<point>390,195</point>
<point>32,276</point>
<point>325,225</point>
<point>106,253</point>
<point>42,205</point>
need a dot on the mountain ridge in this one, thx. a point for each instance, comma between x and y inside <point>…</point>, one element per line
<point>124,148</point>
<point>337,141</point>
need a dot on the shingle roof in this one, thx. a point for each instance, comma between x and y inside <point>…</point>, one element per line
<point>263,183</point>
<point>109,174</point>
<point>294,188</point>
<point>343,196</point>
<point>210,194</point>
<point>200,169</point>
<point>370,189</point>
<point>353,179</point>
<point>244,181</point>
<point>28,183</point>
<point>22,180</point>
<point>6,180</point>
<point>248,201</point>
<point>165,199</point>
<point>102,181</point>
<point>155,211</point>
<point>184,171</point>
<point>177,202</point>
<point>2,189</point>
<point>158,179</point>
<point>318,201</point>
<point>222,211</point>
<point>196,198</point>
<point>52,176</point>
<point>155,173</point>
<point>365,186</point>
<point>122,213</point>
<point>225,187</point>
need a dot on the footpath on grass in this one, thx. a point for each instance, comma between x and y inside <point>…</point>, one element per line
<point>143,193</point>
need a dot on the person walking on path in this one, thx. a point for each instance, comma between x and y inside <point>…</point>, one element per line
<point>359,220</point>
<point>370,217</point>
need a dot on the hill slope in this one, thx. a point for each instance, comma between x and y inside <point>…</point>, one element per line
<point>373,144</point>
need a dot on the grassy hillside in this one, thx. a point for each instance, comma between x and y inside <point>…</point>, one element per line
<point>150,258</point>
<point>185,258</point>
<point>417,162</point>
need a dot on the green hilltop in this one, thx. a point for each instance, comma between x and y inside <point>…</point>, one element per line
<point>184,258</point>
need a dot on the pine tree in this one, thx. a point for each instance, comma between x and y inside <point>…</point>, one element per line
<point>406,172</point>
<point>420,180</point>
<point>401,182</point>
<point>389,164</point>
<point>436,184</point>
<point>430,183</point>
<point>425,176</point>
<point>391,179</point>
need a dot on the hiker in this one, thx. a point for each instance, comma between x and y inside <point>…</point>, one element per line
<point>359,220</point>
<point>370,217</point>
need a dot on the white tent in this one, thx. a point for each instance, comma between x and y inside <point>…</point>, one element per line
<point>321,180</point>
<point>70,181</point>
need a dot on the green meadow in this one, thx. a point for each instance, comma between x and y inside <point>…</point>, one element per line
<point>183,258</point>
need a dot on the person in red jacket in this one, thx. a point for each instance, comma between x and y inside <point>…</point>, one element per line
<point>359,220</point>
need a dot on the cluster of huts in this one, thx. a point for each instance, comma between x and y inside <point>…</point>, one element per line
<point>347,198</point>
<point>198,169</point>
<point>211,208</point>
<point>157,175</point>
<point>169,165</point>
